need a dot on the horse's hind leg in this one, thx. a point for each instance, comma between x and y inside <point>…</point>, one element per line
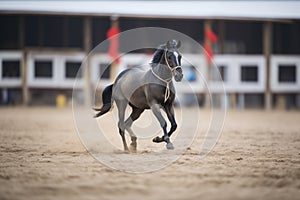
<point>121,111</point>
<point>136,113</point>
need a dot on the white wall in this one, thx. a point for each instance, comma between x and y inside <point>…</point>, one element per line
<point>58,80</point>
<point>233,63</point>
<point>278,87</point>
<point>233,81</point>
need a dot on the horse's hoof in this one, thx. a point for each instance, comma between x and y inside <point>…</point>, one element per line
<point>126,150</point>
<point>132,148</point>
<point>158,139</point>
<point>170,146</point>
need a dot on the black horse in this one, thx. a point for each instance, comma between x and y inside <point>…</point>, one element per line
<point>152,89</point>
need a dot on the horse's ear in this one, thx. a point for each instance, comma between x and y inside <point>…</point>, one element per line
<point>168,45</point>
<point>178,44</point>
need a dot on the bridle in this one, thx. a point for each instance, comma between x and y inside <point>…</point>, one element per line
<point>167,81</point>
<point>172,69</point>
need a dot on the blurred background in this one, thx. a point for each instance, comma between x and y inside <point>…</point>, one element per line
<point>254,44</point>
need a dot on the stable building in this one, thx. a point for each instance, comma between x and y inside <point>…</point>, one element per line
<point>42,46</point>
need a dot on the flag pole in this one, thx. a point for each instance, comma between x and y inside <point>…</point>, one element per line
<point>114,45</point>
<point>207,47</point>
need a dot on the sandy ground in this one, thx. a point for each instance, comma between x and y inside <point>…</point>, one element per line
<point>257,157</point>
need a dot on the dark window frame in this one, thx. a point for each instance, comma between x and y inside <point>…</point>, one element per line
<point>54,31</point>
<point>68,66</point>
<point>249,79</point>
<point>244,37</point>
<point>13,76</point>
<point>9,34</point>
<point>40,74</point>
<point>224,72</point>
<point>283,76</point>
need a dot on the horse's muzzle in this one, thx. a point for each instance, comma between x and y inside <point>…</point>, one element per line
<point>178,74</point>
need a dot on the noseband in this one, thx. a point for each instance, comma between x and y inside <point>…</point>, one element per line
<point>167,81</point>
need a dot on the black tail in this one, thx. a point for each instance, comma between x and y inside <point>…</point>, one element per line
<point>107,101</point>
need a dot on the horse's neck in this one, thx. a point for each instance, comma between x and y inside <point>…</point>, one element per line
<point>162,71</point>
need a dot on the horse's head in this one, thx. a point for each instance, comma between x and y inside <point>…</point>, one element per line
<point>173,59</point>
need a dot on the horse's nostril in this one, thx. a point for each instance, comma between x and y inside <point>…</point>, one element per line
<point>178,77</point>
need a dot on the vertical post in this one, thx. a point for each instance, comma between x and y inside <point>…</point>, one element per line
<point>267,46</point>
<point>114,21</point>
<point>221,27</point>
<point>87,34</point>
<point>25,90</point>
<point>233,100</point>
<point>207,26</point>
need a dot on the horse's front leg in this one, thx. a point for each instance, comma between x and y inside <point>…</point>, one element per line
<point>170,113</point>
<point>156,111</point>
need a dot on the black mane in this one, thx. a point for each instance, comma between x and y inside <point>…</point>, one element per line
<point>158,54</point>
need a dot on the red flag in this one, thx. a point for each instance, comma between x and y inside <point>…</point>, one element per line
<point>211,38</point>
<point>112,35</point>
<point>211,35</point>
<point>209,52</point>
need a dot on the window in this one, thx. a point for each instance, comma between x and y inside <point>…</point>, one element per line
<point>33,30</point>
<point>54,31</point>
<point>74,37</point>
<point>100,26</point>
<point>11,69</point>
<point>287,73</point>
<point>243,37</point>
<point>249,73</point>
<point>223,72</point>
<point>286,38</point>
<point>72,68</point>
<point>9,34</point>
<point>104,71</point>
<point>43,69</point>
<point>192,28</point>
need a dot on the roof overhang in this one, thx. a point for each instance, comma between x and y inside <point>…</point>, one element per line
<point>239,10</point>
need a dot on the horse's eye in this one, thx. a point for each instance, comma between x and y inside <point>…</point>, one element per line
<point>169,57</point>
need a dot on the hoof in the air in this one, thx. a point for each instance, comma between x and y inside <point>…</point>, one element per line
<point>158,139</point>
<point>170,146</point>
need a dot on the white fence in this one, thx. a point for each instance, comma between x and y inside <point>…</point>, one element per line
<point>10,78</point>
<point>241,73</point>
<point>55,70</point>
<point>285,74</point>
